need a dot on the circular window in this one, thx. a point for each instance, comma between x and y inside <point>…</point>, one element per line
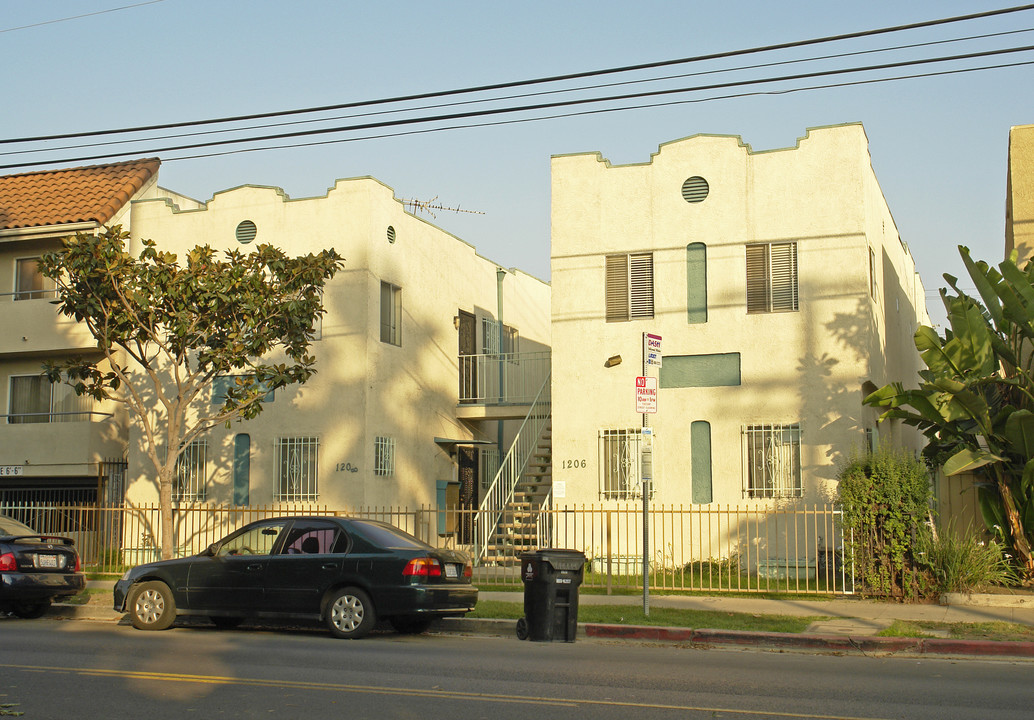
<point>246,231</point>
<point>695,189</point>
<point>391,234</point>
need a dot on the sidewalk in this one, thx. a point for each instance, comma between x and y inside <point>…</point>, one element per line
<point>852,628</point>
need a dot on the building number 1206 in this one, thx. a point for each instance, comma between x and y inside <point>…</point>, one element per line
<point>572,464</point>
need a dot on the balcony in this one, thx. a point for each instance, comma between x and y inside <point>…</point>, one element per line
<point>500,386</point>
<point>57,444</point>
<point>30,324</point>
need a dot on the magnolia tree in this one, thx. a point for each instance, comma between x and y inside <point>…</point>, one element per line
<point>167,331</point>
<point>975,403</point>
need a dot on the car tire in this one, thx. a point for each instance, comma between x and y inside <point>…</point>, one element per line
<point>411,624</point>
<point>151,606</point>
<point>226,623</point>
<point>350,614</point>
<point>31,611</point>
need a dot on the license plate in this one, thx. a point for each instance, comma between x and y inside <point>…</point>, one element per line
<point>46,561</point>
<point>451,572</point>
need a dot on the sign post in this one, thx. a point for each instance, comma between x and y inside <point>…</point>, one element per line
<point>646,403</point>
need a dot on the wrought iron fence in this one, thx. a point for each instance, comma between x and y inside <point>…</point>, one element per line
<point>703,548</point>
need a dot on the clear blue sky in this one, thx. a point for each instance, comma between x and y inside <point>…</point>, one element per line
<point>938,145</point>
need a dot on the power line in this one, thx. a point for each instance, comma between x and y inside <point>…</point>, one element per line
<point>536,81</point>
<point>755,66</point>
<point>535,107</point>
<point>77,17</point>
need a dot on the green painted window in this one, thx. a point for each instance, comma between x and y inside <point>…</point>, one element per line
<point>700,446</point>
<point>686,371</point>
<point>242,469</point>
<point>696,282</point>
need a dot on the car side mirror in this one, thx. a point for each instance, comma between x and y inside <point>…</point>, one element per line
<point>211,550</point>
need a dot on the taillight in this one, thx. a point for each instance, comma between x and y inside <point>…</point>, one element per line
<point>8,563</point>
<point>78,563</point>
<point>468,570</point>
<point>423,567</point>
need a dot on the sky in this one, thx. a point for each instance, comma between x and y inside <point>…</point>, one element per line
<point>938,145</point>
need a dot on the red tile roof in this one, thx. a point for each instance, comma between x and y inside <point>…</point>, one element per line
<point>83,194</point>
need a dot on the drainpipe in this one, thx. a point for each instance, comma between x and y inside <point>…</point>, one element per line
<point>499,275</point>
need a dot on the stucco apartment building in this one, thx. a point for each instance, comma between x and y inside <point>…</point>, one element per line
<point>779,292</point>
<point>406,402</point>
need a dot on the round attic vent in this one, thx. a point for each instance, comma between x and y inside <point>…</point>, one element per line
<point>246,231</point>
<point>391,234</point>
<point>695,189</point>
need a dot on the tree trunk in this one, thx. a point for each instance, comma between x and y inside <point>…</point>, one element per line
<point>165,511</point>
<point>1016,529</point>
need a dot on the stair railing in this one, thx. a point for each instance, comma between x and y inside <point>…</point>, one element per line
<point>500,492</point>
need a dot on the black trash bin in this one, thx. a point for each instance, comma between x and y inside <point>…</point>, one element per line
<point>551,581</point>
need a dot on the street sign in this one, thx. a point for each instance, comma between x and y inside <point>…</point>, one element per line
<point>652,349</point>
<point>646,394</point>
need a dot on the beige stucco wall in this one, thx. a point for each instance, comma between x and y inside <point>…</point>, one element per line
<point>363,388</point>
<point>1019,199</point>
<point>804,367</point>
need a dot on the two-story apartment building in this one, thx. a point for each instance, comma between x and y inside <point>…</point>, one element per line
<point>405,408</point>
<point>780,295</point>
<point>53,444</point>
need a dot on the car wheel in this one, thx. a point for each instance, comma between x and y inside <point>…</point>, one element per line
<point>151,606</point>
<point>30,611</point>
<point>411,625</point>
<point>226,622</point>
<point>350,614</point>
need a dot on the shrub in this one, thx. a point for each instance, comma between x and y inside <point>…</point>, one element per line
<point>960,563</point>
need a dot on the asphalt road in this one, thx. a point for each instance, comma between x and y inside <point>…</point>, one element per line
<point>60,669</point>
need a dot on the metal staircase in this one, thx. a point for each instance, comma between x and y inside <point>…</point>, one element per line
<point>507,518</point>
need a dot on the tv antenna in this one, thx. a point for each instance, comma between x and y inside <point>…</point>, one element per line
<point>429,206</point>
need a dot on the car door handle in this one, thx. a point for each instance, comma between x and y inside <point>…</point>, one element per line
<point>252,568</point>
<point>330,566</point>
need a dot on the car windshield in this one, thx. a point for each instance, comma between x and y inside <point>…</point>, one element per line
<point>10,526</point>
<point>388,536</point>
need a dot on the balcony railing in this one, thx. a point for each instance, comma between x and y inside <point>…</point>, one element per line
<point>502,378</point>
<point>54,417</point>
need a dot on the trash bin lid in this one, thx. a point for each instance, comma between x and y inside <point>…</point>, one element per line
<point>562,559</point>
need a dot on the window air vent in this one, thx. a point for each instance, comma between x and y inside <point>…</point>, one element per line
<point>246,232</point>
<point>695,189</point>
<point>391,234</point>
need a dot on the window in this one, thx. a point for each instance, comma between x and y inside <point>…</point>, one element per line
<point>384,456</point>
<point>188,484</point>
<point>256,541</point>
<point>221,385</point>
<point>696,283</point>
<point>772,278</point>
<point>629,287</point>
<point>872,273</point>
<point>34,399</point>
<point>296,463</point>
<point>772,461</point>
<point>391,314</point>
<point>29,282</point>
<point>488,466</point>
<point>620,456</point>
<point>315,537</point>
<point>490,338</point>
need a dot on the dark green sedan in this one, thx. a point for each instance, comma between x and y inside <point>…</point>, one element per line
<point>345,572</point>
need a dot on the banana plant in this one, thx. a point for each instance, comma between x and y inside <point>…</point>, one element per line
<point>975,401</point>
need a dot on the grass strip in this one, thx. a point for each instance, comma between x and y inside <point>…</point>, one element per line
<point>661,617</point>
<point>994,631</point>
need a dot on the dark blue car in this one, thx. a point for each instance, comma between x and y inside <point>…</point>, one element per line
<point>345,572</point>
<point>35,569</point>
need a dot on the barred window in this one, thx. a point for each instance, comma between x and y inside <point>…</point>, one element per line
<point>620,457</point>
<point>296,462</point>
<point>772,461</point>
<point>772,278</point>
<point>490,337</point>
<point>384,456</point>
<point>629,287</point>
<point>188,484</point>
<point>391,314</point>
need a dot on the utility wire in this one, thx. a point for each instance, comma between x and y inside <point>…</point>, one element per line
<point>580,113</point>
<point>537,106</point>
<point>77,17</point>
<point>373,113</point>
<point>536,81</point>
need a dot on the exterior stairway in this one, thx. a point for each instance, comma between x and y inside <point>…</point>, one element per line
<point>517,530</point>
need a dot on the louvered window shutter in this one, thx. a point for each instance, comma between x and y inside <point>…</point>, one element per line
<point>641,284</point>
<point>784,277</point>
<point>617,288</point>
<point>757,279</point>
